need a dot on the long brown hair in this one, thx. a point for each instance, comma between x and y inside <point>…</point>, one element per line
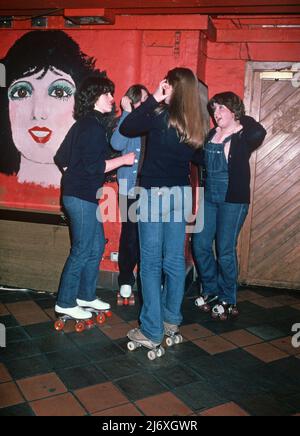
<point>185,110</point>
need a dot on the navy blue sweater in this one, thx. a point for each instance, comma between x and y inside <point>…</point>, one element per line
<point>167,160</point>
<point>83,151</point>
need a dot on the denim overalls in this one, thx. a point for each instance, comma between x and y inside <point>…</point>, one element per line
<point>223,222</point>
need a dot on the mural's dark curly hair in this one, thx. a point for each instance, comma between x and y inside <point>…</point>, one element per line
<point>38,51</point>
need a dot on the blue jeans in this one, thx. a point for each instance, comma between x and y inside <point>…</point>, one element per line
<point>222,223</point>
<point>162,243</point>
<point>80,274</point>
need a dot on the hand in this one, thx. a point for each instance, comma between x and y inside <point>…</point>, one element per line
<point>160,94</point>
<point>126,104</point>
<point>129,159</point>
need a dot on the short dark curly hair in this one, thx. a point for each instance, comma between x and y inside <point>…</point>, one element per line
<point>90,91</point>
<point>229,99</point>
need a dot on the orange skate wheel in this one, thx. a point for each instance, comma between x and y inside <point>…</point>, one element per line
<point>119,300</point>
<point>59,325</point>
<point>126,302</point>
<point>132,300</point>
<point>79,327</point>
<point>101,318</point>
<point>89,323</point>
<point>109,314</point>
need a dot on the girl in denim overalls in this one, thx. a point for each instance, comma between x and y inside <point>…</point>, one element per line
<point>227,196</point>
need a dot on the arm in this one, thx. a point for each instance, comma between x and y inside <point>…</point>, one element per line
<point>126,160</point>
<point>63,154</point>
<point>140,120</point>
<point>118,141</point>
<point>253,132</point>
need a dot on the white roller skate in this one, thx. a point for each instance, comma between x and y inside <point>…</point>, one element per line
<point>173,335</point>
<point>83,318</point>
<point>126,296</point>
<point>137,340</point>
<point>224,311</point>
<point>206,302</point>
<point>97,306</point>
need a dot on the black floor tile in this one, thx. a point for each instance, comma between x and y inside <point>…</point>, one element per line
<point>18,350</point>
<point>239,359</point>
<point>122,367</point>
<point>100,352</point>
<point>200,396</point>
<point>16,334</point>
<point>266,332</point>
<point>87,337</point>
<point>219,327</point>
<point>41,330</point>
<point>39,296</point>
<point>14,297</point>
<point>186,351</point>
<point>8,321</point>
<point>51,343</point>
<point>81,376</point>
<point>67,358</point>
<point>266,405</point>
<point>20,410</point>
<point>175,376</point>
<point>139,386</point>
<point>28,367</point>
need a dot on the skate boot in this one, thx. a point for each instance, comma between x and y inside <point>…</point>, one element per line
<point>97,306</point>
<point>137,340</point>
<point>206,302</point>
<point>125,296</point>
<point>82,317</point>
<point>173,335</point>
<point>224,311</point>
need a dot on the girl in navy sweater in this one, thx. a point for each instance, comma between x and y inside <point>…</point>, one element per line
<point>173,121</point>
<point>82,157</point>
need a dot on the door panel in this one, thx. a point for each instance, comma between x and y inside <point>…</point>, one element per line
<point>270,241</point>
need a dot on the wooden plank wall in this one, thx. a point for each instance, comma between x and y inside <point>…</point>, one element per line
<point>274,252</point>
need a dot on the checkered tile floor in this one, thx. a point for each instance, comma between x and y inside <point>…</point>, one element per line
<point>242,367</point>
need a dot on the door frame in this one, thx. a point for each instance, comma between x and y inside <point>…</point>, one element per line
<point>252,98</point>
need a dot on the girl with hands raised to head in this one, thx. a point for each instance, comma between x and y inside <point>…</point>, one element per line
<point>173,121</point>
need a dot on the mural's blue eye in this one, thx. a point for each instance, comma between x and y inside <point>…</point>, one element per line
<point>61,89</point>
<point>20,91</point>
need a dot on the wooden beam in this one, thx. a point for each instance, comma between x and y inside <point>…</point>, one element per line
<point>259,35</point>
<point>19,7</point>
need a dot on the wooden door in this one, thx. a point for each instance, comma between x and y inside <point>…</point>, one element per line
<point>270,242</point>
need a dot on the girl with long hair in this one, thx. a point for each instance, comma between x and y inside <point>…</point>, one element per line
<point>173,121</point>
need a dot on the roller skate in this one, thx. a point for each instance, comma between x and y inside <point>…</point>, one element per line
<point>137,340</point>
<point>173,335</point>
<point>83,319</point>
<point>126,296</point>
<point>206,302</point>
<point>99,307</point>
<point>224,311</point>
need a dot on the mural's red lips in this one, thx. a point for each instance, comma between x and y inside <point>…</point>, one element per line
<point>41,135</point>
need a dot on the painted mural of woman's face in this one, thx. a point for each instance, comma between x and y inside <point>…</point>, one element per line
<point>41,113</point>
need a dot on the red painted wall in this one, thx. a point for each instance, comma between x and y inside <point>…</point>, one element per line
<point>226,62</point>
<point>128,56</point>
<point>131,56</point>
